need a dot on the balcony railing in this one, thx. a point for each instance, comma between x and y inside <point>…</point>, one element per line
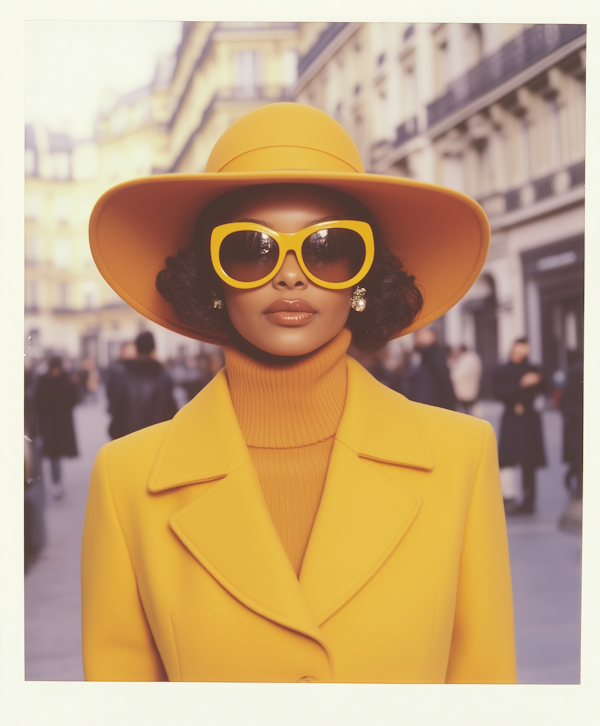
<point>321,43</point>
<point>512,199</point>
<point>534,43</point>
<point>406,131</point>
<point>559,182</point>
<point>577,173</point>
<point>543,187</point>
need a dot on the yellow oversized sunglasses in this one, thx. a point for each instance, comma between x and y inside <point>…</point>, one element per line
<point>335,254</point>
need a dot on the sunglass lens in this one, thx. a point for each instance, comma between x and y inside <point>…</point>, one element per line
<point>248,256</point>
<point>334,255</point>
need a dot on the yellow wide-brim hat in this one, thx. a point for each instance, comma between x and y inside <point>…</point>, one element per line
<point>440,235</point>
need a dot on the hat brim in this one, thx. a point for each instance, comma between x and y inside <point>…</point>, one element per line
<point>440,235</point>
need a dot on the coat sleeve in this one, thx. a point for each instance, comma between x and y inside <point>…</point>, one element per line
<point>117,641</point>
<point>483,642</point>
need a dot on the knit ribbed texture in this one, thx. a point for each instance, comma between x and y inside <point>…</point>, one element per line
<point>289,415</point>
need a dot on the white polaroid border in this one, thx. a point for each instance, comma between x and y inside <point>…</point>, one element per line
<point>91,704</point>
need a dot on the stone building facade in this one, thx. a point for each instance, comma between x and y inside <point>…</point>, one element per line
<point>495,111</point>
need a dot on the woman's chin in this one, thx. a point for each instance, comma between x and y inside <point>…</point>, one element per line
<point>290,341</point>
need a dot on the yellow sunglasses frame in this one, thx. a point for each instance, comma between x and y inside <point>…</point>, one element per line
<point>292,243</point>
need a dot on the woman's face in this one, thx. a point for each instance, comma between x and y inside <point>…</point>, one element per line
<point>290,315</point>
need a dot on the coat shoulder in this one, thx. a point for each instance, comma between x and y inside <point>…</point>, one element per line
<point>435,416</point>
<point>381,424</point>
<point>393,406</point>
<point>451,429</point>
<point>136,450</point>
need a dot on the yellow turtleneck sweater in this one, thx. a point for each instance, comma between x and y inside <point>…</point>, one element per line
<point>289,414</point>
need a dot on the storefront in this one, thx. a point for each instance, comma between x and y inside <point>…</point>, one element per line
<point>554,277</point>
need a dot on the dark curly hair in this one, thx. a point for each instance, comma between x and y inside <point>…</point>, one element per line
<point>189,284</point>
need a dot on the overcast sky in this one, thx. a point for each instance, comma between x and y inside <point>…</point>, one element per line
<point>68,65</point>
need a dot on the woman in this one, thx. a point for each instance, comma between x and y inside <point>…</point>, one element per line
<point>55,397</point>
<point>296,521</point>
<point>518,383</point>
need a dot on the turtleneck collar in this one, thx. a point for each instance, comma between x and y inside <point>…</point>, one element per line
<point>289,402</point>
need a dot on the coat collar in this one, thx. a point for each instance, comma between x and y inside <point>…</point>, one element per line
<point>204,441</point>
<point>362,517</point>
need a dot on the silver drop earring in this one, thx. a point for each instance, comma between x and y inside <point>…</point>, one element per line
<point>358,301</point>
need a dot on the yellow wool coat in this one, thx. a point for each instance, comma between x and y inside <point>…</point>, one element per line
<point>405,579</point>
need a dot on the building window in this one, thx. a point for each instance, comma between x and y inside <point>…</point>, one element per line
<point>63,296</point>
<point>115,165</point>
<point>453,171</point>
<point>61,208</point>
<point>33,205</point>
<point>91,294</point>
<point>61,166</point>
<point>290,67</point>
<point>118,121</point>
<point>248,71</point>
<point>33,249</point>
<point>440,60</point>
<point>554,133</point>
<point>409,87</point>
<point>62,254</point>
<point>524,146</point>
<point>474,43</point>
<point>139,114</point>
<point>85,162</point>
<point>86,253</point>
<point>481,165</point>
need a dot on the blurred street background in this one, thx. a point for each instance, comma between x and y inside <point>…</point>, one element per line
<point>496,111</point>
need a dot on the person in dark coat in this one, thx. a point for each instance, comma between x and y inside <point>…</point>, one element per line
<point>55,397</point>
<point>140,393</point>
<point>34,525</point>
<point>517,383</point>
<point>572,409</point>
<point>429,380</point>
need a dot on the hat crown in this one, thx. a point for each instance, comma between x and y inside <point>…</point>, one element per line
<point>285,136</point>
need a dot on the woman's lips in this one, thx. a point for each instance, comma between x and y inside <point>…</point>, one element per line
<point>290,312</point>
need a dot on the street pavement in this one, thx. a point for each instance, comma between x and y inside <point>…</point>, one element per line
<point>545,562</point>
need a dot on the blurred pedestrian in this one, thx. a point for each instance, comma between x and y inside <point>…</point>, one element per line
<point>465,374</point>
<point>128,351</point>
<point>139,391</point>
<point>517,384</point>
<point>572,409</point>
<point>55,397</point>
<point>34,526</point>
<point>89,379</point>
<point>428,379</point>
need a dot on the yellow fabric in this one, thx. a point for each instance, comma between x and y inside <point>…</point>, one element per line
<point>261,140</point>
<point>405,579</point>
<point>288,416</point>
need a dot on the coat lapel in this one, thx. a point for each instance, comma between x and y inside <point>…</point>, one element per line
<point>227,527</point>
<point>363,514</point>
<point>362,517</point>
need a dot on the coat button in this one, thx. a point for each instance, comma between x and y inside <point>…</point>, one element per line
<point>307,679</point>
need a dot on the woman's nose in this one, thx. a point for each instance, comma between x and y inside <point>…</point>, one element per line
<point>290,275</point>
